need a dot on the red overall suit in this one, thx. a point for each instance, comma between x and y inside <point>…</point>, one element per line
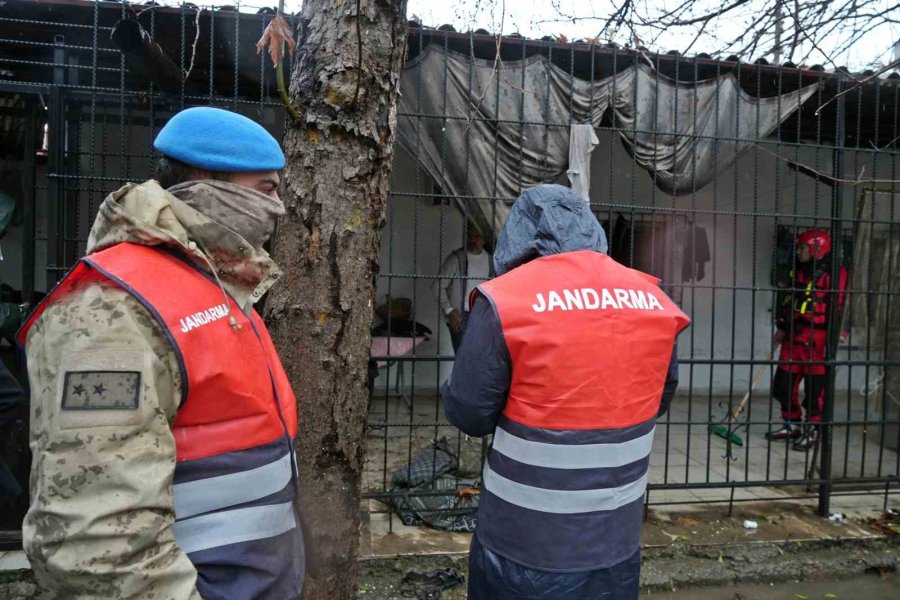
<point>803,318</point>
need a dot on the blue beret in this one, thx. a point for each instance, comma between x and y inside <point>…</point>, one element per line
<point>219,140</point>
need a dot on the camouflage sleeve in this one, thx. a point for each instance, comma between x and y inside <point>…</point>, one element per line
<point>105,389</point>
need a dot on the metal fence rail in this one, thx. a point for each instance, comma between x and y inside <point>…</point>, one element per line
<point>79,119</point>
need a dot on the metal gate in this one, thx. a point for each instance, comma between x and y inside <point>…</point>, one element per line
<point>80,115</point>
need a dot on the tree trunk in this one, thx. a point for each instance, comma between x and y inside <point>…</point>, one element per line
<point>335,185</point>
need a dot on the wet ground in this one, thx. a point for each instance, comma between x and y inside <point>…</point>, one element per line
<point>870,587</point>
<point>709,558</point>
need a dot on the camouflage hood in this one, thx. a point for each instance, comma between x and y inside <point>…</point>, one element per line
<point>149,215</point>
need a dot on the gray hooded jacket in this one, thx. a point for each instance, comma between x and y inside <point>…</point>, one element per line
<point>545,220</point>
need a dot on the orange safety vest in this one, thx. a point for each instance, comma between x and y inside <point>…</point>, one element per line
<point>590,342</point>
<point>235,475</point>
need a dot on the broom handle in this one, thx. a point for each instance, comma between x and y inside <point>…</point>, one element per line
<point>759,375</point>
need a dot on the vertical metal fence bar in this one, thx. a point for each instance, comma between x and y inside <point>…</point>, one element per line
<point>833,330</point>
<point>714,267</point>
<point>692,233</point>
<point>56,134</point>
<point>773,271</point>
<point>212,51</point>
<point>29,216</point>
<point>857,154</point>
<point>735,228</point>
<point>890,232</point>
<point>442,216</point>
<point>753,276</point>
<point>893,232</point>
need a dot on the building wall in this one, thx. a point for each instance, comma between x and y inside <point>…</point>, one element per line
<point>732,316</point>
<point>420,232</point>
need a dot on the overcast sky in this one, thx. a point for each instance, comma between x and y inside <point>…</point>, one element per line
<point>537,18</point>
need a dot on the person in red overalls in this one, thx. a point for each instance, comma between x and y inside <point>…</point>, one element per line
<point>803,328</point>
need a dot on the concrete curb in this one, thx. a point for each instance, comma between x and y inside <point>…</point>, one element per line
<point>685,565</point>
<point>677,566</point>
<point>706,565</point>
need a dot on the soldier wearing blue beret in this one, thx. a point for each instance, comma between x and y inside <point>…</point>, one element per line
<point>163,423</point>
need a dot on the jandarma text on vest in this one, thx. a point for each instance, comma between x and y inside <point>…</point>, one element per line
<point>590,299</point>
<point>203,317</point>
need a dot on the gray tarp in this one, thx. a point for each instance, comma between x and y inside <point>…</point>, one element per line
<point>493,141</point>
<point>504,127</point>
<point>685,134</point>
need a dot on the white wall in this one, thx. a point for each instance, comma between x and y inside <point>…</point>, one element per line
<point>727,323</point>
<point>419,234</point>
<point>415,239</point>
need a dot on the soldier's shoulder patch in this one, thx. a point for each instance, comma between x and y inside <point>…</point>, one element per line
<point>101,390</point>
<point>102,386</point>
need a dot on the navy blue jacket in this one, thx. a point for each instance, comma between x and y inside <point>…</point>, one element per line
<point>543,222</point>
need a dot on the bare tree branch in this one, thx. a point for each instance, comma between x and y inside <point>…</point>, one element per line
<point>828,28</point>
<point>860,82</point>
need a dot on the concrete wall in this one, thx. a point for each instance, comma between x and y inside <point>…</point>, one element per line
<point>732,316</point>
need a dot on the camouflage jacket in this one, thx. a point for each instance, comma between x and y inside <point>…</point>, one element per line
<point>100,521</point>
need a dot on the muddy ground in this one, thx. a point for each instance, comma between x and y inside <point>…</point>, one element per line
<point>711,549</point>
<point>684,566</point>
<point>803,555</point>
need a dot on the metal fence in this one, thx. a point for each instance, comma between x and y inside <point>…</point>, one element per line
<point>79,116</point>
<point>831,162</point>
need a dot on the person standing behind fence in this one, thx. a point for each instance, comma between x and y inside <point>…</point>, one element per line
<point>803,324</point>
<point>568,360</point>
<point>148,368</point>
<point>461,272</point>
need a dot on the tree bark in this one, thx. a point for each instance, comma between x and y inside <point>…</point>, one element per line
<point>336,182</point>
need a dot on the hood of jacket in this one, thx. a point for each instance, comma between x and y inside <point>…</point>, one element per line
<point>547,219</point>
<point>149,215</point>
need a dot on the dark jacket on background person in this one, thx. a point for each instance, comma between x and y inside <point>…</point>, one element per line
<point>572,410</point>
<point>12,397</point>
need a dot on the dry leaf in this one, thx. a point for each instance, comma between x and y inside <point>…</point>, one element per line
<point>277,34</point>
<point>562,38</point>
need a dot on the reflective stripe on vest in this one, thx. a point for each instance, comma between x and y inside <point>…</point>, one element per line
<point>590,343</point>
<point>580,456</point>
<point>235,475</point>
<point>812,305</point>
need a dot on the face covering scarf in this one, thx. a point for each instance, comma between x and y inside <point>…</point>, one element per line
<point>250,214</point>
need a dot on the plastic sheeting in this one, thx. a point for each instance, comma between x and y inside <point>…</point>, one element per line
<point>685,134</point>
<point>498,132</point>
<point>485,130</point>
<point>431,470</point>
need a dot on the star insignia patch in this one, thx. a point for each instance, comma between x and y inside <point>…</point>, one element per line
<point>101,390</point>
